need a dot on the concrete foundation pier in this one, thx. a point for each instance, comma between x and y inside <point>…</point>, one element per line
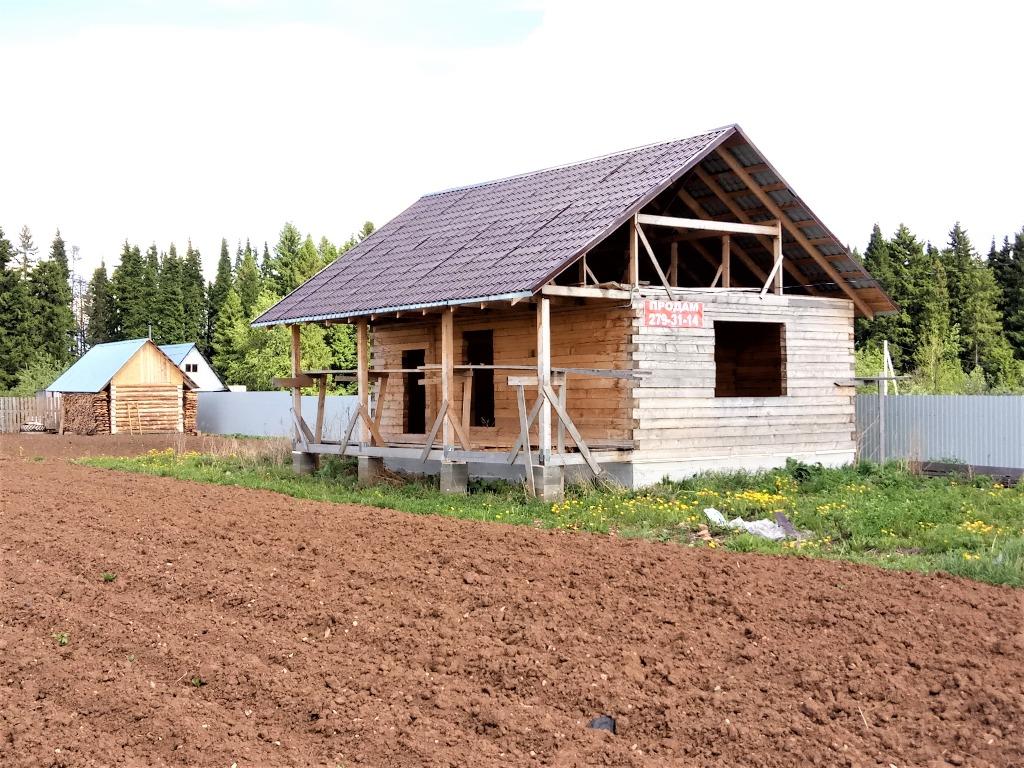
<point>454,477</point>
<point>303,463</point>
<point>370,470</point>
<point>550,482</point>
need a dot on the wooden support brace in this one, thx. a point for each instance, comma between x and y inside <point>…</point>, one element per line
<point>375,436</point>
<point>524,439</point>
<point>573,432</point>
<point>378,411</point>
<point>321,401</point>
<point>534,411</point>
<point>432,435</point>
<point>347,437</point>
<point>654,261</point>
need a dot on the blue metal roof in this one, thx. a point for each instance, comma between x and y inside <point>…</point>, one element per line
<point>177,352</point>
<point>94,370</point>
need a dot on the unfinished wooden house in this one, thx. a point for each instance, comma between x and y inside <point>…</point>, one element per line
<point>654,312</point>
<point>126,387</point>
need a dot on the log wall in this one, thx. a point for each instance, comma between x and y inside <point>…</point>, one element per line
<point>146,408</point>
<point>680,419</point>
<point>581,337</point>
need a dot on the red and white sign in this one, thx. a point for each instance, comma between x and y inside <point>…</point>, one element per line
<point>673,314</point>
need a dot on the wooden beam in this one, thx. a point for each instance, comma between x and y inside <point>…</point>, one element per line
<point>321,401</point>
<point>796,232</point>
<point>362,377</point>
<point>544,375</point>
<point>382,388</point>
<point>673,264</point>
<point>726,262</point>
<point>705,225</point>
<point>777,254</point>
<point>524,440</point>
<point>296,336</point>
<point>447,372</point>
<point>654,261</point>
<point>748,262</point>
<point>742,215</point>
<point>633,276</point>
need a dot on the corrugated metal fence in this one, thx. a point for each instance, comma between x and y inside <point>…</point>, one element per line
<point>268,414</point>
<point>981,430</point>
<point>17,412</point>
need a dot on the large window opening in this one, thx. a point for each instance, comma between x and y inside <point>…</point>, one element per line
<point>750,359</point>
<point>480,351</point>
<point>414,409</point>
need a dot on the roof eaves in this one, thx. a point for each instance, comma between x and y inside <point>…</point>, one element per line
<point>389,310</point>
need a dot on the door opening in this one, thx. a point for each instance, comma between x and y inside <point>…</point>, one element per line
<point>414,406</point>
<point>480,351</point>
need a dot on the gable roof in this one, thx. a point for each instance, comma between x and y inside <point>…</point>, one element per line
<point>93,371</point>
<point>507,238</point>
<point>177,352</point>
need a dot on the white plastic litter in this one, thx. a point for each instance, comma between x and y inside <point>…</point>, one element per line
<point>767,529</point>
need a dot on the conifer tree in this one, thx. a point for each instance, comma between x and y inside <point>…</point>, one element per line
<point>327,251</point>
<point>15,312</point>
<point>248,282</point>
<point>27,249</point>
<point>288,260</point>
<point>223,281</point>
<point>53,324</point>
<point>227,334</point>
<point>151,288</point>
<point>127,288</point>
<point>266,265</point>
<point>101,323</point>
<point>169,311</point>
<point>193,297</point>
<point>1008,268</point>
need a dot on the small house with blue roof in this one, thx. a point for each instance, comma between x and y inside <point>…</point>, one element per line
<point>126,387</point>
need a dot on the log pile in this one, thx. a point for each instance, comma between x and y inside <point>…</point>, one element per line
<point>86,414</point>
<point>191,409</point>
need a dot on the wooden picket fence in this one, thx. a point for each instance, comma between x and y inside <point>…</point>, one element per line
<point>17,412</point>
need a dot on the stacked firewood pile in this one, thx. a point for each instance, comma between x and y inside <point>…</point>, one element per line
<point>86,414</point>
<point>191,407</point>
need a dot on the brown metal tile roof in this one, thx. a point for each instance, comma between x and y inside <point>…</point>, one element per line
<point>502,238</point>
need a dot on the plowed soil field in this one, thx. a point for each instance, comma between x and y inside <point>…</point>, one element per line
<point>253,629</point>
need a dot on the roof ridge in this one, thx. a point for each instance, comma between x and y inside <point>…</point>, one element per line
<point>563,166</point>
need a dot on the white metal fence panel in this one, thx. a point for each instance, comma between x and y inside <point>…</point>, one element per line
<point>268,414</point>
<point>981,430</point>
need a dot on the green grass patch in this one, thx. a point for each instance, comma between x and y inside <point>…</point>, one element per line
<point>881,515</point>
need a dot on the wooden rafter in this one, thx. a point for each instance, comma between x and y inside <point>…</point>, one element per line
<point>797,233</point>
<point>742,215</point>
<point>706,225</point>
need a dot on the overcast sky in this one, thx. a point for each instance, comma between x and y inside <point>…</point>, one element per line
<point>163,121</point>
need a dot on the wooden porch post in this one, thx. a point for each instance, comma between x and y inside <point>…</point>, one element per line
<point>673,264</point>
<point>296,372</point>
<point>777,247</point>
<point>544,378</point>
<point>363,376</point>
<point>447,373</point>
<point>726,262</point>
<point>634,254</point>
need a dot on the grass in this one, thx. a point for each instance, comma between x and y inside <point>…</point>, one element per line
<point>881,515</point>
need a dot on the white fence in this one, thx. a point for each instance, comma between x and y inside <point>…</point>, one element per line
<point>980,430</point>
<point>268,414</point>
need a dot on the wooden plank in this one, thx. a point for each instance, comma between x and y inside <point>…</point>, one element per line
<point>563,416</point>
<point>321,401</point>
<point>291,382</point>
<point>544,376</point>
<point>524,440</point>
<point>726,262</point>
<point>560,442</point>
<point>378,410</point>
<point>633,271</point>
<point>467,395</point>
<point>296,354</point>
<point>673,264</point>
<point>375,434</point>
<point>432,435</point>
<point>347,437</point>
<point>447,372</point>
<point>362,379</point>
<point>654,261</point>
<point>718,227</point>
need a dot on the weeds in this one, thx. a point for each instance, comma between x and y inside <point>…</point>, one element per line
<point>882,515</point>
<point>62,638</point>
<point>108,576</point>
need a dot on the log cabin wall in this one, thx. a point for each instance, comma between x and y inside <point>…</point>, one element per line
<point>689,417</point>
<point>147,395</point>
<point>592,336</point>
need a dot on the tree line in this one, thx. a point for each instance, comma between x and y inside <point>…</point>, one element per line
<point>959,328</point>
<point>163,296</point>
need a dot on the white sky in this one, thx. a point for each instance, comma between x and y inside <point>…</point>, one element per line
<point>163,130</point>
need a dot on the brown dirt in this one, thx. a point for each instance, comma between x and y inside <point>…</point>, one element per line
<point>340,635</point>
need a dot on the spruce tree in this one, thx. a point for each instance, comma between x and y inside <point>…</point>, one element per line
<point>101,324</point>
<point>266,264</point>
<point>248,282</point>
<point>1008,267</point>
<point>223,281</point>
<point>27,249</point>
<point>288,260</point>
<point>58,252</point>
<point>230,322</point>
<point>151,288</point>
<point>127,288</point>
<point>193,297</point>
<point>53,324</point>
<point>169,327</point>
<point>15,313</point>
<point>327,251</point>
